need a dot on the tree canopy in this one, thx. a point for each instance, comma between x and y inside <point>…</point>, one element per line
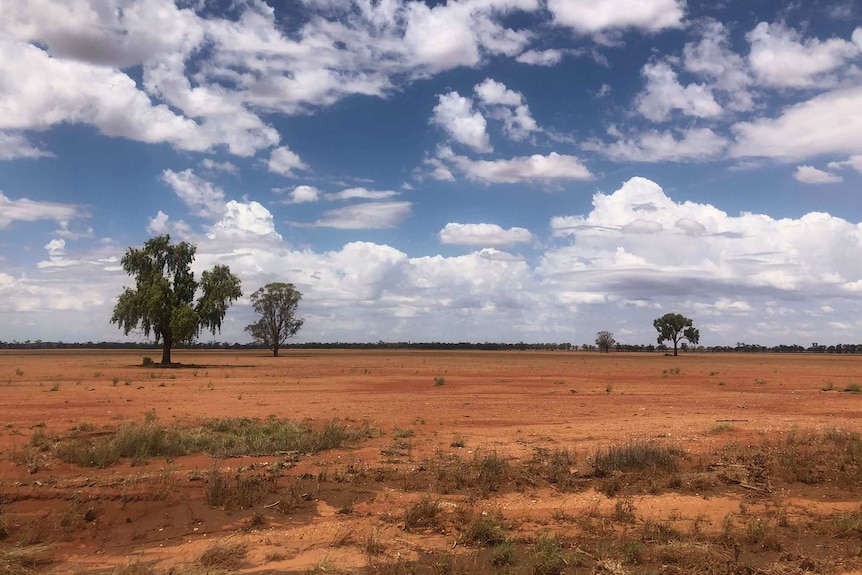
<point>605,341</point>
<point>276,304</point>
<point>162,302</point>
<point>675,327</point>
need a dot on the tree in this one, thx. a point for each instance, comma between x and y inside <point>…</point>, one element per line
<point>276,304</point>
<point>675,327</point>
<point>605,341</point>
<point>165,287</point>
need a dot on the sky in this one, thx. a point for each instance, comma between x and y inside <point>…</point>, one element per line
<point>471,170</point>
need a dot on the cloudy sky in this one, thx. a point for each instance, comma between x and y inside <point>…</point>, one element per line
<point>471,170</point>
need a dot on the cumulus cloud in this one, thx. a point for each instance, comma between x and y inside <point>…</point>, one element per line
<point>14,145</point>
<point>828,123</point>
<point>210,164</point>
<point>780,57</point>
<point>509,106</point>
<point>245,220</point>
<point>741,276</point>
<point>663,94</point>
<point>663,146</point>
<point>483,235</point>
<point>25,210</point>
<point>854,162</point>
<point>365,216</point>
<point>812,175</point>
<point>549,57</point>
<point>700,245</point>
<point>455,114</point>
<point>251,65</point>
<point>161,224</point>
<point>283,161</point>
<point>304,195</point>
<point>42,91</point>
<point>535,168</point>
<point>203,198</point>
<point>591,17</point>
<point>726,71</point>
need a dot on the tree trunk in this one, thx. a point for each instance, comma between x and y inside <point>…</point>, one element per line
<point>275,351</point>
<point>166,351</point>
<point>674,348</point>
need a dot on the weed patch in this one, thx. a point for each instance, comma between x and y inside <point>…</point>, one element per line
<point>424,514</point>
<point>634,456</point>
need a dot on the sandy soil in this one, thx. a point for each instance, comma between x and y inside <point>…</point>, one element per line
<point>508,403</point>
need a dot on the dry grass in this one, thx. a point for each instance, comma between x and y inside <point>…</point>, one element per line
<point>227,437</point>
<point>236,490</point>
<point>635,456</point>
<point>24,560</point>
<point>223,556</point>
<point>424,514</point>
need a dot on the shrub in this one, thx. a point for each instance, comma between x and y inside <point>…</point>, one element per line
<point>223,556</point>
<point>635,456</point>
<point>424,514</point>
<point>548,556</point>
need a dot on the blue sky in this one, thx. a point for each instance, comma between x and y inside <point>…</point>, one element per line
<point>479,170</point>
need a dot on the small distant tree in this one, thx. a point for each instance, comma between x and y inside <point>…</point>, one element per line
<point>605,341</point>
<point>675,327</point>
<point>162,302</point>
<point>276,304</point>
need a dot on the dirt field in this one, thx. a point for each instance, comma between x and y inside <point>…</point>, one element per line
<point>456,462</point>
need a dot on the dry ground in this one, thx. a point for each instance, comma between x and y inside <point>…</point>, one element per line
<point>462,462</point>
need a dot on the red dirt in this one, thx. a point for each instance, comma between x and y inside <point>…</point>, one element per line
<point>504,402</point>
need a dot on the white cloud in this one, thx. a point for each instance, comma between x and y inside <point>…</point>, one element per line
<point>534,168</point>
<point>304,194</point>
<point>726,70</point>
<point>663,94</point>
<point>210,164</point>
<point>283,161</point>
<point>491,93</point>
<point>759,275</point>
<point>245,220</point>
<point>829,123</point>
<point>41,92</point>
<point>780,57</point>
<point>445,36</point>
<point>56,248</point>
<point>746,254</point>
<point>365,216</point>
<point>593,16</point>
<point>509,106</point>
<point>14,145</point>
<point>541,57</point>
<point>663,146</point>
<point>25,210</point>
<point>455,114</point>
<point>161,224</point>
<point>854,162</point>
<point>811,175</point>
<point>362,193</point>
<point>203,198</point>
<point>250,66</point>
<point>483,235</point>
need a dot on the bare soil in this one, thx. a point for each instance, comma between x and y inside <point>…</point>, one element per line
<point>727,508</point>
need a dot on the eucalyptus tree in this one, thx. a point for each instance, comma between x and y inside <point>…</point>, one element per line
<point>163,302</point>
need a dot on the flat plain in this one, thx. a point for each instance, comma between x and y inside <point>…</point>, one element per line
<point>430,462</point>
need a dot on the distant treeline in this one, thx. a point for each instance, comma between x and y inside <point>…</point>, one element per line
<point>436,345</point>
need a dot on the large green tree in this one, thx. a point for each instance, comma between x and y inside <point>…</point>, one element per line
<point>162,302</point>
<point>276,304</point>
<point>675,327</point>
